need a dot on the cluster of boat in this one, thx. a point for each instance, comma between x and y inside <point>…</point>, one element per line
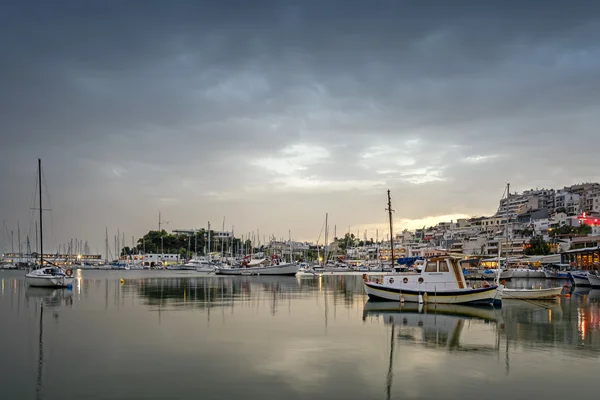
<point>441,280</point>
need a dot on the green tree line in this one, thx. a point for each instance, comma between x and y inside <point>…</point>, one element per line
<point>174,243</point>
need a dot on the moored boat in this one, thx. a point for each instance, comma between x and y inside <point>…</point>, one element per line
<point>527,273</point>
<point>276,267</point>
<point>533,294</point>
<point>594,280</point>
<point>51,277</point>
<point>441,281</point>
<point>548,274</point>
<point>580,278</point>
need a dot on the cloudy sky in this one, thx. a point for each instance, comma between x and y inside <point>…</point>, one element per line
<point>273,113</point>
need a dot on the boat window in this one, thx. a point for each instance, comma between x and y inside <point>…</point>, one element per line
<point>431,266</point>
<point>443,267</point>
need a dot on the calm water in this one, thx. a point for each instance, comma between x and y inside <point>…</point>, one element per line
<point>169,335</point>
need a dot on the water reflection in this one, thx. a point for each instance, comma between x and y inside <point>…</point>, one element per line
<point>440,326</point>
<point>169,335</point>
<point>49,300</point>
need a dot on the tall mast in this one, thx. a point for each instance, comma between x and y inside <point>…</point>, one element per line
<point>389,210</point>
<point>106,245</point>
<point>41,222</point>
<point>19,240</point>
<point>325,247</point>
<point>506,226</point>
<point>208,233</point>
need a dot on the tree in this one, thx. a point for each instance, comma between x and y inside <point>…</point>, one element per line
<point>584,229</point>
<point>537,246</point>
<point>349,240</point>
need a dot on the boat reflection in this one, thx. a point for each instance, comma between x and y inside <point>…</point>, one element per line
<point>443,326</point>
<point>50,299</point>
<point>446,327</point>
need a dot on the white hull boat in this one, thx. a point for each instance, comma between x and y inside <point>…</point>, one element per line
<point>556,274</point>
<point>281,269</point>
<point>527,273</point>
<point>580,278</point>
<point>533,294</point>
<point>50,277</point>
<point>505,274</point>
<point>594,280</point>
<point>205,269</point>
<point>332,269</point>
<point>441,281</point>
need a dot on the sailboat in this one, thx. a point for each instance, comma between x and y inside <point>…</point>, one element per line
<point>51,276</point>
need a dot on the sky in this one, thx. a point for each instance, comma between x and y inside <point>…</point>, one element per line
<point>271,114</point>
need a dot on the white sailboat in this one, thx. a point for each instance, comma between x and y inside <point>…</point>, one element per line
<point>51,276</point>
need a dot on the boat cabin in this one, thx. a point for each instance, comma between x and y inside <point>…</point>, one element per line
<point>54,271</point>
<point>439,272</point>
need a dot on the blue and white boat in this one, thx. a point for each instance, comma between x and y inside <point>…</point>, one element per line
<point>580,278</point>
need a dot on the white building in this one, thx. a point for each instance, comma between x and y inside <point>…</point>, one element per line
<point>568,201</point>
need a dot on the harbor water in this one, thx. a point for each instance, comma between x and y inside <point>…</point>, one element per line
<point>180,335</point>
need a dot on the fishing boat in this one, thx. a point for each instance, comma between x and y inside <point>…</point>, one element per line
<point>51,276</point>
<point>440,282</point>
<point>533,294</point>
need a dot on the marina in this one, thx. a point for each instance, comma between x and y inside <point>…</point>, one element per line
<point>299,200</point>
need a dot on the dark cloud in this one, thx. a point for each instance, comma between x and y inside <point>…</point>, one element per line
<point>274,112</point>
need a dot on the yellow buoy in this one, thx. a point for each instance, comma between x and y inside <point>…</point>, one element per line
<point>122,281</point>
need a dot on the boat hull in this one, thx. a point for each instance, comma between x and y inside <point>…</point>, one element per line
<point>594,280</point>
<point>48,282</point>
<point>527,273</point>
<point>285,269</point>
<point>556,275</point>
<point>580,280</point>
<point>205,270</point>
<point>533,294</point>
<point>480,296</point>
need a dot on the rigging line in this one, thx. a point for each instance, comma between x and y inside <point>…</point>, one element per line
<point>32,202</point>
<point>52,228</point>
<point>322,228</point>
